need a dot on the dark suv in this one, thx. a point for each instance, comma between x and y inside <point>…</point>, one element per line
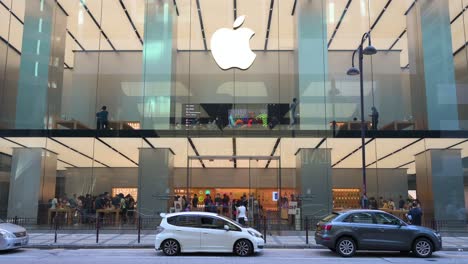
<point>346,232</point>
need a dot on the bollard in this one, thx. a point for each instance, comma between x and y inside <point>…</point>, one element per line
<point>307,230</point>
<point>264,229</point>
<point>97,230</point>
<point>15,220</point>
<point>139,229</point>
<point>55,228</point>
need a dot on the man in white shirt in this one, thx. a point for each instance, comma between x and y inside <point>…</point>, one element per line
<point>241,216</point>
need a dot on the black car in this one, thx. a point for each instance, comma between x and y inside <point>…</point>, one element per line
<point>348,231</point>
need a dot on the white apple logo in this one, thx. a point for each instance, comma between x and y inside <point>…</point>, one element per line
<point>231,48</point>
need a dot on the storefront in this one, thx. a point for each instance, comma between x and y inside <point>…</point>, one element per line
<point>233,97</point>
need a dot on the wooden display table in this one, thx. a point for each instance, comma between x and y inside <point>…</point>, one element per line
<point>350,125</point>
<point>398,125</point>
<point>109,211</point>
<point>70,124</point>
<point>66,211</point>
<point>124,125</point>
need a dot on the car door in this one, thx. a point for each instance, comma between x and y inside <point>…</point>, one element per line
<point>392,235</point>
<point>188,233</point>
<point>214,238</point>
<point>363,228</point>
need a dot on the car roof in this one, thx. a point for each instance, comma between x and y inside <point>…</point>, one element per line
<point>360,211</point>
<point>188,213</point>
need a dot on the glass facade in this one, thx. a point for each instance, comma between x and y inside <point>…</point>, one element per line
<point>286,129</point>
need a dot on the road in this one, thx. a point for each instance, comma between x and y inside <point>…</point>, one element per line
<point>269,256</point>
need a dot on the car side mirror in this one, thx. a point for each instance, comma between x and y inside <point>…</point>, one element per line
<point>226,227</point>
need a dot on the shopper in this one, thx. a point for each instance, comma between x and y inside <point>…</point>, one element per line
<point>364,201</point>
<point>375,118</point>
<point>401,203</point>
<point>241,213</point>
<point>194,201</point>
<point>102,118</point>
<point>292,112</point>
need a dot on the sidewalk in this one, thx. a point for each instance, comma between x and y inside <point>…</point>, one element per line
<point>88,240</point>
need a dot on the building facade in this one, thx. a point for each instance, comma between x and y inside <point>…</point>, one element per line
<point>266,108</point>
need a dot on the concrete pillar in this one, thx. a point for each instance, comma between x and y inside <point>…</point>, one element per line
<point>312,58</point>
<point>158,64</point>
<point>155,180</point>
<point>314,181</point>
<point>439,184</point>
<point>433,88</point>
<point>32,183</point>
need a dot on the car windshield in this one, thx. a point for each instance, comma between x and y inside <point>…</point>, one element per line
<point>231,221</point>
<point>330,217</point>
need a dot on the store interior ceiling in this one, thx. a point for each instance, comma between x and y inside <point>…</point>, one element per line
<point>115,152</point>
<point>122,23</point>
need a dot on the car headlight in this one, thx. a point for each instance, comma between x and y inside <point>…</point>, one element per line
<point>254,234</point>
<point>6,234</point>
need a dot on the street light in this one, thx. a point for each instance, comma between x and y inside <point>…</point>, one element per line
<point>369,50</point>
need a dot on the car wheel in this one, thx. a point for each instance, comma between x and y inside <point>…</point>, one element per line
<point>170,247</point>
<point>422,248</point>
<point>346,247</point>
<point>243,248</point>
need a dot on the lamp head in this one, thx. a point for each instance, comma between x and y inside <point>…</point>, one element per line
<point>353,71</point>
<point>369,50</point>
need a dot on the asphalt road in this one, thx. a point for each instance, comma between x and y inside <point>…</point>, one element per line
<point>269,256</point>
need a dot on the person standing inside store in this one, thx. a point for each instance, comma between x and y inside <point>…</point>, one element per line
<point>102,118</point>
<point>194,202</point>
<point>364,201</point>
<point>401,203</point>
<point>241,213</point>
<point>292,112</point>
<point>225,204</point>
<point>375,118</point>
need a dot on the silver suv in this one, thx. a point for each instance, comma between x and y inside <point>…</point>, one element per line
<point>348,231</point>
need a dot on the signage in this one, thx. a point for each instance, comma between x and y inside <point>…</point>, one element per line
<point>231,47</point>
<point>275,196</point>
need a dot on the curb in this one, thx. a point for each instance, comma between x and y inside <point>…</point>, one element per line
<point>149,246</point>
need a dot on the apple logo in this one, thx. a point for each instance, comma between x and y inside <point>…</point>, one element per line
<point>231,48</point>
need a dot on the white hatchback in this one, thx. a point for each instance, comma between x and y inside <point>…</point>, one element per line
<point>205,232</point>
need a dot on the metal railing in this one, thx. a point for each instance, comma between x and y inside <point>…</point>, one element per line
<point>269,224</point>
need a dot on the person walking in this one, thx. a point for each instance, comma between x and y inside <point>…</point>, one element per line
<point>415,215</point>
<point>102,118</point>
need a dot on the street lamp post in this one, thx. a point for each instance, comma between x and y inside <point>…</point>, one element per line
<point>369,50</point>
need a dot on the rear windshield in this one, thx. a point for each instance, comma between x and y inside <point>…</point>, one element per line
<point>330,217</point>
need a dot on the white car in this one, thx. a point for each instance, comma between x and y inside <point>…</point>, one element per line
<point>12,236</point>
<point>205,232</point>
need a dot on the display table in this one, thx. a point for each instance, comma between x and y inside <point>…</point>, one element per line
<point>66,212</point>
<point>109,211</point>
<point>124,125</point>
<point>70,124</point>
<point>350,125</point>
<point>398,125</point>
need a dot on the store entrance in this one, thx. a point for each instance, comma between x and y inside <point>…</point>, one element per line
<point>220,183</point>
